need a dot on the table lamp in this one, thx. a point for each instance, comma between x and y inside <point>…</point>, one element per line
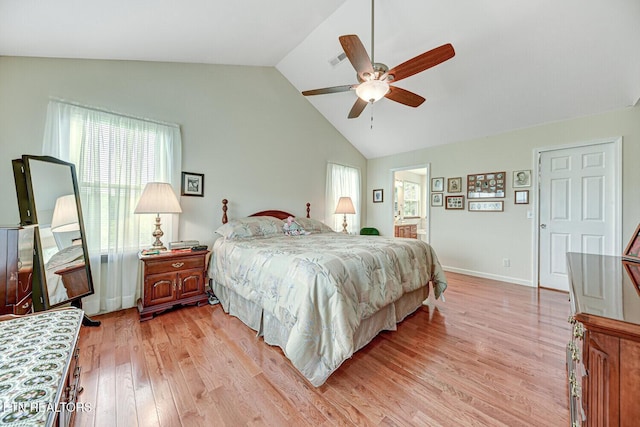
<point>157,198</point>
<point>345,206</point>
<point>65,214</point>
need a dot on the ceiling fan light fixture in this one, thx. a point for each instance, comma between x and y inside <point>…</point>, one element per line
<point>372,90</point>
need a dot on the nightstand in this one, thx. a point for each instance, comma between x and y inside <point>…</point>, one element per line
<point>172,278</point>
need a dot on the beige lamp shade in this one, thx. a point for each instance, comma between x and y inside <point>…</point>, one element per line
<point>65,215</point>
<point>345,206</point>
<point>157,198</point>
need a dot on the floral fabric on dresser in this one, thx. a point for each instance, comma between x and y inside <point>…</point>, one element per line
<point>321,286</point>
<point>35,352</point>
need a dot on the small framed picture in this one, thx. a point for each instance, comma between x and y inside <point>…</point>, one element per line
<point>192,184</point>
<point>437,184</point>
<point>521,178</point>
<point>493,206</point>
<point>521,197</point>
<point>436,199</point>
<point>632,251</point>
<point>454,202</point>
<point>378,196</point>
<point>454,185</point>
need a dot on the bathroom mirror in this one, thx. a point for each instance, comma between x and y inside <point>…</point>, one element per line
<point>48,195</point>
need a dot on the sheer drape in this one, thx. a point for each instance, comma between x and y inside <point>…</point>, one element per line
<point>115,156</point>
<point>342,181</point>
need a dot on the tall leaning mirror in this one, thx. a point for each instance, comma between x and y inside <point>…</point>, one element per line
<point>47,190</point>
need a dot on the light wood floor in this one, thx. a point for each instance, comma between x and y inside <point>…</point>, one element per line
<point>492,354</point>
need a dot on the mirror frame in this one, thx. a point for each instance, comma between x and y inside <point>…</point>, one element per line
<point>28,215</point>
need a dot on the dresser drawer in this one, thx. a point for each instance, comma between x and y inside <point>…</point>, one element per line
<point>174,264</point>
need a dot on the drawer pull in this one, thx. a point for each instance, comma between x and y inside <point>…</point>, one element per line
<point>26,305</point>
<point>177,264</point>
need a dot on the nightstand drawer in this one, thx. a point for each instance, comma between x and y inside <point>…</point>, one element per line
<point>173,264</point>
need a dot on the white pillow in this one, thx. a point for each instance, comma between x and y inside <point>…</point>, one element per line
<point>253,226</point>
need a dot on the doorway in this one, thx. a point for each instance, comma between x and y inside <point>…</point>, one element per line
<point>410,195</point>
<point>580,206</point>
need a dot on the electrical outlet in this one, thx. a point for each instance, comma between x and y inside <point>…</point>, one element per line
<point>506,262</point>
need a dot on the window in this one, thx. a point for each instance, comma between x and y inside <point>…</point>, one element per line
<point>115,157</point>
<point>411,199</point>
<point>407,199</point>
<point>342,181</point>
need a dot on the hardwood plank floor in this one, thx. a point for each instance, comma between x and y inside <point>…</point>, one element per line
<point>492,354</point>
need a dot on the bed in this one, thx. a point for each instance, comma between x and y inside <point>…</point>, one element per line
<point>319,295</point>
<point>66,274</point>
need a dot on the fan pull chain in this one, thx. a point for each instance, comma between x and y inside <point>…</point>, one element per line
<point>371,109</point>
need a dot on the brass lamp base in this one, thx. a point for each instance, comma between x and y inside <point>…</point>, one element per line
<point>344,224</point>
<point>157,233</point>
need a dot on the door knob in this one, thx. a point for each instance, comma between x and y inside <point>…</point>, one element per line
<point>543,225</point>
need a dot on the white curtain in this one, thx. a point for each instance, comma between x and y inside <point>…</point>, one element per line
<point>342,181</point>
<point>115,156</point>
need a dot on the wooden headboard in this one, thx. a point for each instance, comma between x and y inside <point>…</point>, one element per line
<point>273,212</point>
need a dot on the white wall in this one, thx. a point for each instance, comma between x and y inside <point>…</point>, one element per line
<point>258,141</point>
<point>477,242</point>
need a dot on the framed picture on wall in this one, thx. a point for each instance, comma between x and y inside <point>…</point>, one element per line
<point>521,178</point>
<point>482,206</point>
<point>454,202</point>
<point>436,199</point>
<point>521,197</point>
<point>192,184</point>
<point>437,184</point>
<point>486,185</point>
<point>454,185</point>
<point>378,196</point>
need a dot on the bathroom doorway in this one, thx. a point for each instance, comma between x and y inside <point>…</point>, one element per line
<point>410,214</point>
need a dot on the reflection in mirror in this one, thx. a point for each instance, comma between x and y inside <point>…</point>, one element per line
<point>61,252</point>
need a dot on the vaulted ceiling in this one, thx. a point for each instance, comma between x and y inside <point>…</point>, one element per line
<point>517,64</point>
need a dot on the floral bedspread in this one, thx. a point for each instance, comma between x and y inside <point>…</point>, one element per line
<point>321,286</point>
<point>34,355</point>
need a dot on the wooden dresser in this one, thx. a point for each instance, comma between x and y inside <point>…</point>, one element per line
<point>603,356</point>
<point>406,230</point>
<point>172,278</point>
<point>39,371</point>
<point>16,269</point>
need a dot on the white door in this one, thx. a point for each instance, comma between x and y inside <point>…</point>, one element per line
<point>578,207</point>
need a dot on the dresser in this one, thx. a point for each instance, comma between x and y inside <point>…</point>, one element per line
<point>172,278</point>
<point>16,269</point>
<point>39,371</point>
<point>603,355</point>
<point>406,230</point>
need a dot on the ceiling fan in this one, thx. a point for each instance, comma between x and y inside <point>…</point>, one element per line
<point>374,78</point>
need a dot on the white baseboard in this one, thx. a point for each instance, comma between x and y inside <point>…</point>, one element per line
<point>497,277</point>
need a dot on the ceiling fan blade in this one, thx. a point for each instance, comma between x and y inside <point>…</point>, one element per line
<point>357,108</point>
<point>323,91</point>
<point>403,96</point>
<point>422,62</point>
<point>357,54</point>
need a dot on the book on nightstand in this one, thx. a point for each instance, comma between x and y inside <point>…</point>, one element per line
<point>183,244</point>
